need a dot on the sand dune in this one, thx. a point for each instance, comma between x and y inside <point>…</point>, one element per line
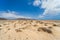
<point>29,30</point>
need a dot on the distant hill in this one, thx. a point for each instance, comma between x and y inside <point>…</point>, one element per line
<point>17,19</point>
<point>24,19</point>
<point>3,19</point>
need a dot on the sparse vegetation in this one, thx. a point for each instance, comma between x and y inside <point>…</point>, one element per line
<point>54,25</point>
<point>41,22</point>
<point>0,25</point>
<point>0,28</point>
<point>8,28</point>
<point>45,24</point>
<point>35,25</point>
<point>18,30</point>
<point>44,29</point>
<point>50,27</point>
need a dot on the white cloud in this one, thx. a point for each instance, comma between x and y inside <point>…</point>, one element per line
<point>11,15</point>
<point>36,3</point>
<point>52,8</point>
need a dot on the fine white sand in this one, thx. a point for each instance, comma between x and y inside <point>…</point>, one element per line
<point>29,30</point>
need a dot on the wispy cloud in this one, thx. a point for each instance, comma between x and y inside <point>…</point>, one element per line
<point>52,9</point>
<point>11,15</point>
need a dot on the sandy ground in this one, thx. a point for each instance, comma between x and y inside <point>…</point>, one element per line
<point>29,30</point>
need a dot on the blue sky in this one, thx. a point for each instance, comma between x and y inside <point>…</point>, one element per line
<point>35,9</point>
